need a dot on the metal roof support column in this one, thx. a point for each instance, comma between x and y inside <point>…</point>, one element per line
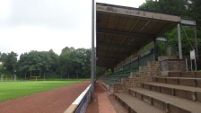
<point>196,42</point>
<point>92,49</point>
<point>155,50</point>
<point>179,40</point>
<point>138,60</point>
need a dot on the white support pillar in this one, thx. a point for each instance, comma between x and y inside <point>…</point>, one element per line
<point>196,42</point>
<point>179,40</point>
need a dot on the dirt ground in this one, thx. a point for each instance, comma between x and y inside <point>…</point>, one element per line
<point>52,101</point>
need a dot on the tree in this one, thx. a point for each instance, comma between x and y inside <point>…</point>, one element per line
<point>189,9</point>
<point>74,63</point>
<point>65,64</point>
<point>194,10</point>
<point>53,60</point>
<point>10,61</point>
<point>3,57</point>
<point>67,49</point>
<point>83,62</point>
<point>38,60</point>
<point>177,7</point>
<point>100,71</point>
<point>186,9</point>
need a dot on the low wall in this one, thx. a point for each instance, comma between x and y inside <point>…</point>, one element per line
<point>81,103</point>
<point>161,58</point>
<point>173,65</point>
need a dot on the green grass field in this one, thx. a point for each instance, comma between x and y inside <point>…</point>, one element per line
<point>12,90</point>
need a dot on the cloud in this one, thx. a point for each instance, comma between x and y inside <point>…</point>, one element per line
<point>47,24</point>
<point>5,9</point>
<point>56,14</point>
<point>40,38</point>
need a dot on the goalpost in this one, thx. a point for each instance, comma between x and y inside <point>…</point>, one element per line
<point>35,73</point>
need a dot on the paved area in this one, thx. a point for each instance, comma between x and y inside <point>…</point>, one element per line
<point>105,105</point>
<point>104,102</point>
<point>52,101</point>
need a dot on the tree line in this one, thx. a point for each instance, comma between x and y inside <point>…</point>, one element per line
<point>187,9</point>
<point>71,63</point>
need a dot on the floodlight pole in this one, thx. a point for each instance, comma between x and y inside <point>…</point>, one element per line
<point>92,50</point>
<point>179,40</point>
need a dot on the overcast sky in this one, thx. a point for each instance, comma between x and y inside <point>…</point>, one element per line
<point>42,25</point>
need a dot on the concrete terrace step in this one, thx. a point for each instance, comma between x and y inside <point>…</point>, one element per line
<point>166,103</point>
<point>186,81</point>
<point>186,92</point>
<point>135,105</point>
<point>185,74</point>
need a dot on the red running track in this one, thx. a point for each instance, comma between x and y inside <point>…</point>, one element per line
<point>52,101</point>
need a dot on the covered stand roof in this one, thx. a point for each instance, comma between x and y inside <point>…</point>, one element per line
<point>121,31</point>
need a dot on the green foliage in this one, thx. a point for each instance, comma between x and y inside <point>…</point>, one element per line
<point>74,63</point>
<point>67,49</point>
<point>71,63</point>
<point>100,71</point>
<point>35,60</point>
<point>3,57</point>
<point>4,72</point>
<point>7,88</point>
<point>189,9</point>
<point>194,11</point>
<point>109,71</point>
<point>188,41</point>
<point>9,61</point>
<point>177,7</point>
<point>53,60</point>
<point>52,74</point>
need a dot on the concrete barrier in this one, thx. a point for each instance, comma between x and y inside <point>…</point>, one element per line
<point>81,103</point>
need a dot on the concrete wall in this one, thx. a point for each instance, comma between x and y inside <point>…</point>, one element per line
<point>173,65</point>
<point>153,68</point>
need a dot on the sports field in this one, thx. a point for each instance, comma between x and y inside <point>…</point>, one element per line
<point>12,90</point>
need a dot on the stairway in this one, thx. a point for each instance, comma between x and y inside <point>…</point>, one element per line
<point>178,92</point>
